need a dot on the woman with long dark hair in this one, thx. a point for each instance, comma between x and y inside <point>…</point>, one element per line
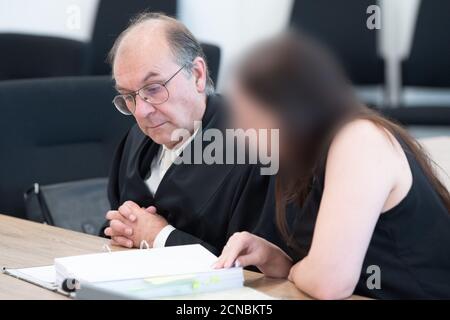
<point>369,214</point>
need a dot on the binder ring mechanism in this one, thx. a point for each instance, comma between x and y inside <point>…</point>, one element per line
<point>144,245</point>
<point>106,248</point>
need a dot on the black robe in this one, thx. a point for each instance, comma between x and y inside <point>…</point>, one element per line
<point>205,203</point>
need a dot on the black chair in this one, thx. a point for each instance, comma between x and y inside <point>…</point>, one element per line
<point>29,56</point>
<point>341,25</point>
<point>428,64</point>
<point>213,56</point>
<point>55,130</point>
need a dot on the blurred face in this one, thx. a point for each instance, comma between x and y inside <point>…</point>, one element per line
<point>250,113</point>
<point>143,58</point>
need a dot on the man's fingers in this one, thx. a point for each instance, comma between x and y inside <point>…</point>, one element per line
<point>129,210</point>
<point>115,215</point>
<point>127,213</point>
<point>112,214</point>
<point>119,228</point>
<point>122,241</point>
<point>108,232</point>
<point>151,209</point>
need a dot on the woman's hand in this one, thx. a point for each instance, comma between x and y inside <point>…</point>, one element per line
<point>245,249</point>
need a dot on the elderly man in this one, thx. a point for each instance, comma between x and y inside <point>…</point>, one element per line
<point>162,78</point>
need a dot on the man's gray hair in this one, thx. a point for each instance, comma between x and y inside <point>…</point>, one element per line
<point>184,45</point>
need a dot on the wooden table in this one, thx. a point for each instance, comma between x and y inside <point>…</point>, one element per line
<point>28,244</point>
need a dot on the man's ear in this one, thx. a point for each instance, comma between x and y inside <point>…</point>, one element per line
<point>199,72</point>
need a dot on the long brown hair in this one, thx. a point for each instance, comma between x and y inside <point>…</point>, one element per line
<point>305,87</point>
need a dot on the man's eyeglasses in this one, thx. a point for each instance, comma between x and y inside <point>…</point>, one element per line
<point>155,93</point>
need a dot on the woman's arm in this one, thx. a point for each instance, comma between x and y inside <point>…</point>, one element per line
<point>361,171</point>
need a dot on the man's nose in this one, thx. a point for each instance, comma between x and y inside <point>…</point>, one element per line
<point>143,108</point>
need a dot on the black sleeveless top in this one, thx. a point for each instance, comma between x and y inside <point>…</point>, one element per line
<point>410,244</point>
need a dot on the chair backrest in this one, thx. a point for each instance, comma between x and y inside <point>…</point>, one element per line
<point>24,56</point>
<point>213,56</point>
<point>341,25</point>
<point>112,18</point>
<point>428,64</point>
<point>55,130</point>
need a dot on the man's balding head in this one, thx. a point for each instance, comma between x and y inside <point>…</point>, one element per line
<point>181,42</point>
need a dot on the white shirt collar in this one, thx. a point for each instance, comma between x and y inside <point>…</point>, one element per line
<point>178,149</point>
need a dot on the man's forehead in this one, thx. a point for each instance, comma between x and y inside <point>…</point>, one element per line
<point>140,57</point>
<point>132,78</point>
